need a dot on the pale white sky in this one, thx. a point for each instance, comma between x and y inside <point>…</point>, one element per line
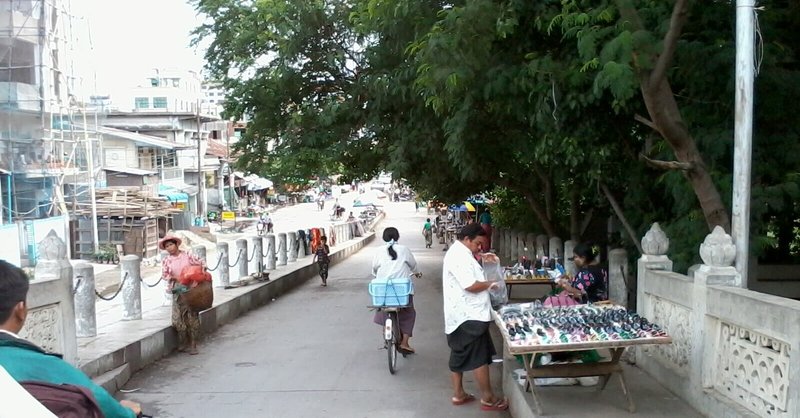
<point>121,41</point>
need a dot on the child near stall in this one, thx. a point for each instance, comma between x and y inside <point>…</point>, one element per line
<point>321,257</point>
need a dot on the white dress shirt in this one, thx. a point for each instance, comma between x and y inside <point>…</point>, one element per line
<point>460,271</point>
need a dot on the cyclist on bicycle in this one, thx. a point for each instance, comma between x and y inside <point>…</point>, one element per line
<point>396,261</point>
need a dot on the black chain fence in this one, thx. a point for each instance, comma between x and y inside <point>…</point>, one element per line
<point>119,290</point>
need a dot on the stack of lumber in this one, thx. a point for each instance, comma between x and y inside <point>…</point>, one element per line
<point>127,202</point>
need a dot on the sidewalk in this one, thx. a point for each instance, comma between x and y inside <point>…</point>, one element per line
<point>316,353</point>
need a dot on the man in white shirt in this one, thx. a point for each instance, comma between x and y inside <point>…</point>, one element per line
<point>467,317</point>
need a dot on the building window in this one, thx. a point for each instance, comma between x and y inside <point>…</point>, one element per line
<point>143,103</point>
<point>159,102</point>
<point>153,82</point>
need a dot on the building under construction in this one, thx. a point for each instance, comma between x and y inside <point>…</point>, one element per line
<point>46,139</point>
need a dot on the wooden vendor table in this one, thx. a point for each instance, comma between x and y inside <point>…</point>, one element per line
<point>605,369</point>
<point>512,282</point>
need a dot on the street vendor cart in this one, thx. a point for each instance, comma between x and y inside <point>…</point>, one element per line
<point>530,331</point>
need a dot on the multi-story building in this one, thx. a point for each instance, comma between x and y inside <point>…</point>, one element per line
<point>213,98</point>
<point>44,144</point>
<point>167,105</point>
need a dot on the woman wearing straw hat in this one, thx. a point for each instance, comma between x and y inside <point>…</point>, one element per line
<point>185,320</point>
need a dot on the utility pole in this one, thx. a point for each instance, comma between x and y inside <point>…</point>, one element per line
<point>743,133</point>
<point>200,177</point>
<point>92,195</point>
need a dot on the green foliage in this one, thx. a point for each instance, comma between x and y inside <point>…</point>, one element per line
<point>534,101</point>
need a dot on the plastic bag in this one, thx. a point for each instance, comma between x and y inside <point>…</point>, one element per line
<point>493,272</point>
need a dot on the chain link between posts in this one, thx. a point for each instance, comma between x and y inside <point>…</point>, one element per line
<point>154,284</point>
<point>252,255</point>
<point>238,257</point>
<point>219,261</point>
<point>77,285</point>
<point>119,290</point>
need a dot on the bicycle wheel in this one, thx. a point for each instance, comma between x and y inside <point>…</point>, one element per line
<point>391,342</point>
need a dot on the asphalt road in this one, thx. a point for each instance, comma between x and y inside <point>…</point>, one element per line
<point>316,353</point>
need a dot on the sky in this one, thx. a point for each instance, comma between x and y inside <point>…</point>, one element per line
<point>120,42</point>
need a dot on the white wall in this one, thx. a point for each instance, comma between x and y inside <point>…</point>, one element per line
<point>10,250</point>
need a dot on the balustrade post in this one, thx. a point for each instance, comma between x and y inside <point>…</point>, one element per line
<point>555,248</point>
<point>271,251</point>
<point>257,263</point>
<point>542,246</point>
<point>85,304</point>
<point>131,282</point>
<point>223,271</point>
<point>241,258</point>
<point>292,242</point>
<point>199,251</point>
<point>281,249</point>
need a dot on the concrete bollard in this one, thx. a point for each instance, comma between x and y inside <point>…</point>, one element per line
<point>291,246</point>
<point>281,249</point>
<point>513,256</point>
<point>521,243</point>
<point>131,282</point>
<point>542,246</point>
<point>241,257</point>
<point>556,248</point>
<point>257,246</point>
<point>222,270</point>
<point>618,273</point>
<point>269,263</point>
<point>85,313</point>
<point>569,265</point>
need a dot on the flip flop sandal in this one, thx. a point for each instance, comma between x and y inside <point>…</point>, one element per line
<point>498,405</point>
<point>407,350</point>
<point>466,399</point>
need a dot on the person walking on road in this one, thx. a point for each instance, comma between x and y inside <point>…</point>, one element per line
<point>323,260</point>
<point>467,317</point>
<point>185,320</point>
<point>26,362</point>
<point>427,232</point>
<point>396,261</point>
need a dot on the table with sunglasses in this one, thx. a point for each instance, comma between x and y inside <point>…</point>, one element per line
<point>530,330</point>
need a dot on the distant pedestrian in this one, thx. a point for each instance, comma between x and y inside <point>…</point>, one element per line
<point>427,232</point>
<point>323,260</point>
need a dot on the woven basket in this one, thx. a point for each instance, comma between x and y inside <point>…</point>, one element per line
<point>200,298</point>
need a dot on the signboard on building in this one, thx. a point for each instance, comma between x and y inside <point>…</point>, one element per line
<point>228,216</point>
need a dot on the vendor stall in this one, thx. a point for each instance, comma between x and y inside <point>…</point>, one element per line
<point>530,330</point>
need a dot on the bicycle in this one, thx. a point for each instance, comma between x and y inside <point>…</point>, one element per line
<point>391,331</point>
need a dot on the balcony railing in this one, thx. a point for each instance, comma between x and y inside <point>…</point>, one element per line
<point>172,175</point>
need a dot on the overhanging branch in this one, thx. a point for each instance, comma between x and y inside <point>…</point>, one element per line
<point>667,165</point>
<point>647,122</point>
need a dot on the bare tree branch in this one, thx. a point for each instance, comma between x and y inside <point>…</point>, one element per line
<point>647,122</point>
<point>621,216</point>
<point>667,165</point>
<point>676,22</point>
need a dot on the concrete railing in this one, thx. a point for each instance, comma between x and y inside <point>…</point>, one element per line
<point>732,351</point>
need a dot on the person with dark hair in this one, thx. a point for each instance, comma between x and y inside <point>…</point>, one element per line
<point>26,362</point>
<point>486,224</point>
<point>590,283</point>
<point>396,261</point>
<point>323,259</point>
<point>185,320</point>
<point>467,317</point>
<point>427,232</point>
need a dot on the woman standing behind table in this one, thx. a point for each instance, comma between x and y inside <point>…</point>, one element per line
<point>396,261</point>
<point>486,224</point>
<point>185,320</point>
<point>590,283</point>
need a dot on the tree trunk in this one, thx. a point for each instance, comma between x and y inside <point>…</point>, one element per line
<point>544,221</point>
<point>574,222</point>
<point>664,113</point>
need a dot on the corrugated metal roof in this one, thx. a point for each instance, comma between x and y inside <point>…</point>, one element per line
<point>134,171</point>
<point>142,139</point>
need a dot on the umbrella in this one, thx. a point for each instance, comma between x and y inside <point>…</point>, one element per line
<point>461,208</point>
<point>468,206</point>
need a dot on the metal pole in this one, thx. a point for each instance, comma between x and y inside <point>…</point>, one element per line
<point>743,133</point>
<point>200,199</point>
<point>92,195</point>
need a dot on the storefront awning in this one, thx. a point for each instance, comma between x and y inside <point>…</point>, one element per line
<point>255,183</point>
<point>173,194</point>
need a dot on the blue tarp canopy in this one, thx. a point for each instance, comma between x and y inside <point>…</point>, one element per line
<point>173,194</point>
<point>461,208</point>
